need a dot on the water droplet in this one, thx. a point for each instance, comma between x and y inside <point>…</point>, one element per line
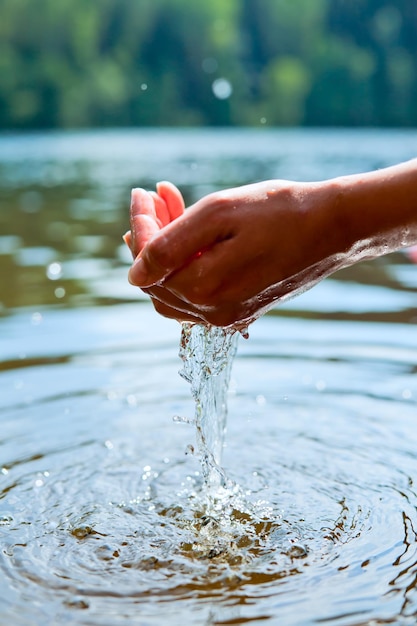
<point>244,332</point>
<point>263,120</point>
<point>180,419</point>
<point>144,86</point>
<point>222,88</point>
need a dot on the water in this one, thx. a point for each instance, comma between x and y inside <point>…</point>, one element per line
<point>104,516</point>
<point>208,355</point>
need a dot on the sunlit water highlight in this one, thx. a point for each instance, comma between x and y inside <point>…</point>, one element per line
<point>105,516</point>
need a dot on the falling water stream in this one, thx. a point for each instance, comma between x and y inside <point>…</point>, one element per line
<point>207,354</point>
<point>111,514</point>
<point>225,518</point>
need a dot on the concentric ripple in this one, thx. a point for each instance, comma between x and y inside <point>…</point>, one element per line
<point>105,520</point>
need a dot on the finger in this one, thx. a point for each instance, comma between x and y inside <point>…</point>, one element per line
<point>141,203</point>
<point>161,209</point>
<point>226,314</point>
<point>142,219</point>
<point>169,305</point>
<point>221,313</point>
<point>127,238</point>
<point>181,241</point>
<point>171,313</point>
<point>207,278</point>
<point>172,197</point>
<point>146,229</point>
<point>170,300</point>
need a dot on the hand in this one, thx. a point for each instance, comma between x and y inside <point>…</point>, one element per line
<point>233,254</point>
<point>149,212</point>
<point>226,259</point>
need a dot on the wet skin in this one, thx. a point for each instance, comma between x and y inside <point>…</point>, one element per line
<point>233,254</point>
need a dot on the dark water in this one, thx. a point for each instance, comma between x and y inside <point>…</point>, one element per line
<point>103,512</point>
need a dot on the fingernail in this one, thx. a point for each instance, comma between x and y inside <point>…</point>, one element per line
<point>132,202</point>
<point>137,274</point>
<point>135,195</point>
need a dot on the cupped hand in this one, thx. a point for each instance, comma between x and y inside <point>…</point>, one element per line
<point>229,257</point>
<point>150,212</point>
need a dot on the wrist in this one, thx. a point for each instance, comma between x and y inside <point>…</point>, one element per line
<point>329,227</point>
<point>374,213</point>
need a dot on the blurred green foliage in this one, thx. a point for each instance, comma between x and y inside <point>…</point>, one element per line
<point>86,63</point>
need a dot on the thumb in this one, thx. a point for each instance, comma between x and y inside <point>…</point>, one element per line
<point>176,245</point>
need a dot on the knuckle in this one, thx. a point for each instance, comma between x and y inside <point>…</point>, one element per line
<point>219,198</point>
<point>217,201</point>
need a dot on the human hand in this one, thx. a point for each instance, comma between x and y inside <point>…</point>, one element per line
<point>229,257</point>
<point>234,253</point>
<point>149,212</point>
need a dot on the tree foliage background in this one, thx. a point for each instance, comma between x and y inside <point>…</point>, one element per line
<point>88,63</point>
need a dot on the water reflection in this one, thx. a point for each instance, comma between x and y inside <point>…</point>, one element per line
<point>103,519</point>
<point>405,583</point>
<point>117,516</point>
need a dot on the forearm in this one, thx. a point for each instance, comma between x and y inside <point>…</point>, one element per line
<point>233,254</point>
<point>375,213</point>
<point>339,222</point>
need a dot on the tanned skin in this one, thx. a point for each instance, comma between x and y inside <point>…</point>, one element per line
<point>233,254</point>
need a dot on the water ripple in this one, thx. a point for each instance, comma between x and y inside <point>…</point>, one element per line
<point>103,517</point>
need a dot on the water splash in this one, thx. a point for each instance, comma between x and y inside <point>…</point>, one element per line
<point>207,354</point>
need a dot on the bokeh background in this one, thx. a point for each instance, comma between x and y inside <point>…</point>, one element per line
<point>78,63</point>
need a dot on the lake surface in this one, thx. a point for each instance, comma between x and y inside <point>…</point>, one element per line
<point>103,516</point>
